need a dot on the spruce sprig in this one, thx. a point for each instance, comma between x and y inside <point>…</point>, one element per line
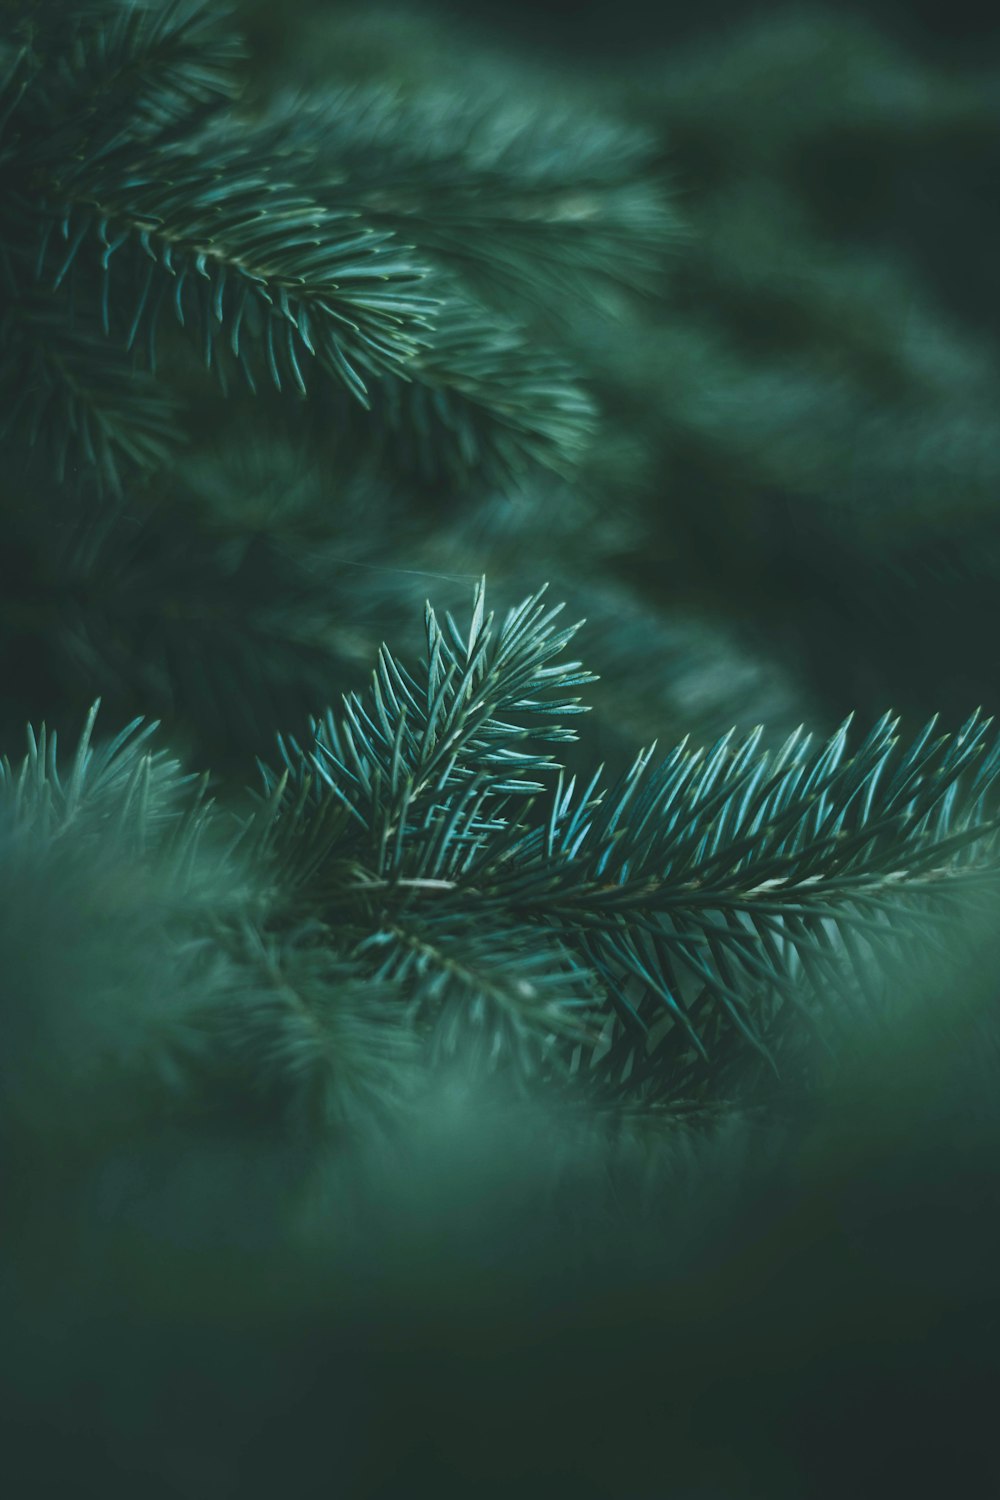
<point>526,202</point>
<point>444,743</point>
<point>688,933</point>
<point>133,68</point>
<point>725,904</point>
<point>239,252</point>
<point>139,198</point>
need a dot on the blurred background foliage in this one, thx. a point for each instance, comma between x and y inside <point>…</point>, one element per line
<point>785,510</point>
<point>797,461</point>
<point>761,459</point>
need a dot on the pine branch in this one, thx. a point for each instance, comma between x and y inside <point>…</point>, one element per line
<point>167,974</point>
<point>305,1033</point>
<point>135,67</point>
<point>122,787</point>
<point>245,257</point>
<point>241,252</point>
<point>656,942</point>
<point>483,399</point>
<point>726,903</point>
<point>415,744</point>
<point>111,881</point>
<point>498,997</point>
<point>527,202</point>
<point>728,892</point>
<point>144,212</point>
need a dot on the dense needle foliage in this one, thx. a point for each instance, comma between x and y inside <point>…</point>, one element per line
<point>403,1043</point>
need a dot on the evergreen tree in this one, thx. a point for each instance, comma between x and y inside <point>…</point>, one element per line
<point>358,1001</point>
